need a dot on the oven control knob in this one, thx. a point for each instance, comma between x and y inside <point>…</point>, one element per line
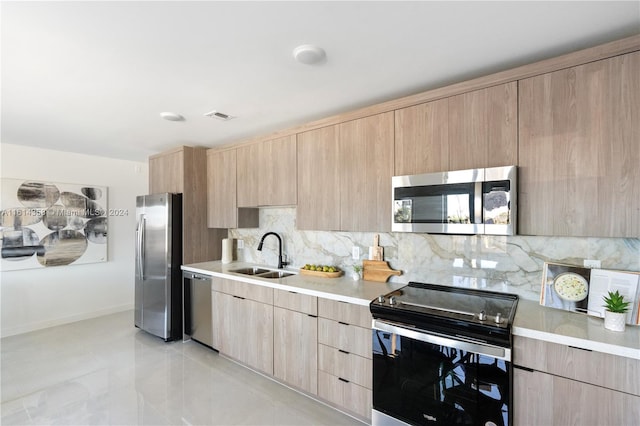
<point>482,316</point>
<point>380,299</point>
<point>392,301</point>
<point>498,319</point>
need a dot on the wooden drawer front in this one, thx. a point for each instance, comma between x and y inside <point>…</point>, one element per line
<point>347,395</point>
<point>611,371</point>
<point>217,284</point>
<point>545,399</point>
<point>296,301</point>
<point>255,292</point>
<point>351,367</point>
<point>344,312</point>
<point>349,338</point>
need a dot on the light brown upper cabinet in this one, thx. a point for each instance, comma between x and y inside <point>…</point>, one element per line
<point>344,176</point>
<point>319,181</point>
<point>471,130</point>
<point>483,128</point>
<point>579,162</point>
<point>166,172</point>
<point>222,206</point>
<point>366,168</point>
<point>248,175</point>
<point>422,138</point>
<point>184,170</point>
<point>266,173</point>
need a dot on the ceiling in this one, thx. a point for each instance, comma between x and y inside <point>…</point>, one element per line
<point>93,77</point>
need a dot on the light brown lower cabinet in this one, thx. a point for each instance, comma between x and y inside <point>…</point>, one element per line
<point>351,367</point>
<point>295,340</point>
<point>544,399</point>
<point>341,335</point>
<point>344,356</point>
<point>556,384</point>
<point>321,347</point>
<point>243,328</point>
<point>345,394</point>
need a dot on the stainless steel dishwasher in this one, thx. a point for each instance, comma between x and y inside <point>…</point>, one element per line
<point>197,308</point>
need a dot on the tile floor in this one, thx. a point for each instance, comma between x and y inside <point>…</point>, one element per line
<point>104,371</point>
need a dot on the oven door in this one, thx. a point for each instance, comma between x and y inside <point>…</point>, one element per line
<point>426,379</point>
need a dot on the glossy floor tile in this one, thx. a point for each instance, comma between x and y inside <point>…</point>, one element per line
<point>104,371</point>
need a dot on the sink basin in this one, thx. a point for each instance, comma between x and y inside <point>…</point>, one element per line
<point>262,273</point>
<point>250,271</point>
<point>276,274</point>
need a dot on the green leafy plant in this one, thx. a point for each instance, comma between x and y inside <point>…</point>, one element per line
<point>357,268</point>
<point>614,302</point>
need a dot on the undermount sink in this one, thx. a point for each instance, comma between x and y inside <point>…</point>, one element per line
<point>262,273</point>
<point>276,274</point>
<point>250,271</point>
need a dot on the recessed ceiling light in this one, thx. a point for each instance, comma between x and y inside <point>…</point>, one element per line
<point>171,116</point>
<point>309,54</point>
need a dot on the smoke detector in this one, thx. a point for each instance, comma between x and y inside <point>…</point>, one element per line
<point>171,116</point>
<point>219,115</point>
<point>309,54</point>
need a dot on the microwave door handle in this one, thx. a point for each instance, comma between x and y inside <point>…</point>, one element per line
<point>477,204</point>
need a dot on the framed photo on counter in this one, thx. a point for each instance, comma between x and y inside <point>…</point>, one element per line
<point>578,289</point>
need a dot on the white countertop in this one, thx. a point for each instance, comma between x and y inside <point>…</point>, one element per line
<point>342,288</point>
<point>573,329</point>
<point>532,320</point>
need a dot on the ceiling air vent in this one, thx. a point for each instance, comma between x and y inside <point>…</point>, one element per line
<point>219,115</point>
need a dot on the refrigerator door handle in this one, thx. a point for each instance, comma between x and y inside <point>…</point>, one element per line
<point>141,226</point>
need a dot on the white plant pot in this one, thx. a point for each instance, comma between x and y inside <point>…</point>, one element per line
<point>355,276</point>
<point>614,321</point>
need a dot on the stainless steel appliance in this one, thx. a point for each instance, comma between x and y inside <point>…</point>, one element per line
<point>475,201</point>
<point>197,308</point>
<point>442,356</point>
<point>158,283</point>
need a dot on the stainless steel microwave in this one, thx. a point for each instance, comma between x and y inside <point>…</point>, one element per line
<point>475,201</point>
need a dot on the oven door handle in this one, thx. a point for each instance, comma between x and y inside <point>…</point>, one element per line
<point>469,346</point>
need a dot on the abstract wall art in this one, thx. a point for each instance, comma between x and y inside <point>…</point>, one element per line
<point>45,224</point>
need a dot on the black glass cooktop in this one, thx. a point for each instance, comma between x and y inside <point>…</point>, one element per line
<point>479,314</point>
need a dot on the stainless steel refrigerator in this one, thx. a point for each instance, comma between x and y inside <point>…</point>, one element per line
<point>158,284</point>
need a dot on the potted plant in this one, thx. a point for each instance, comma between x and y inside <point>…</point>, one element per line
<point>615,312</point>
<point>357,270</point>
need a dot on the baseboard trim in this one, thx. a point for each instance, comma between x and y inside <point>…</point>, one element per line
<point>26,328</point>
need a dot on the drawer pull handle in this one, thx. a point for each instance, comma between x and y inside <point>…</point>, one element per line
<point>312,316</point>
<point>343,380</point>
<point>343,323</point>
<point>344,352</point>
<point>582,349</point>
<point>238,297</point>
<point>519,367</point>
<point>293,292</point>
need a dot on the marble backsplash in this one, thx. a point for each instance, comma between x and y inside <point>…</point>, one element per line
<point>505,264</point>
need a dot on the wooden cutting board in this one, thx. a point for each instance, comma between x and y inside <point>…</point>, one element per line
<point>376,252</point>
<point>378,270</point>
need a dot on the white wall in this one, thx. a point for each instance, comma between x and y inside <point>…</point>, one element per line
<point>37,298</point>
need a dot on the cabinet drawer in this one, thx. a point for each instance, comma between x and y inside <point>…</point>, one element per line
<point>245,290</point>
<point>351,367</point>
<point>296,301</point>
<point>610,371</point>
<point>344,312</point>
<point>345,394</point>
<point>545,399</point>
<point>349,338</point>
